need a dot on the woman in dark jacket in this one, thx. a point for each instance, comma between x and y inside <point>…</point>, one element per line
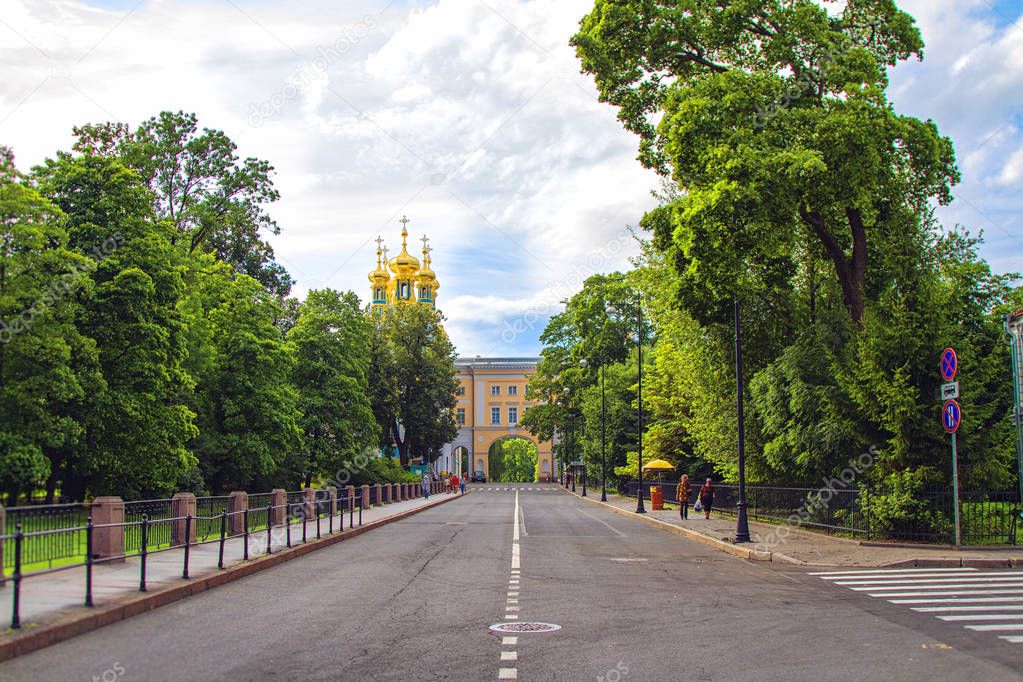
<point>707,498</point>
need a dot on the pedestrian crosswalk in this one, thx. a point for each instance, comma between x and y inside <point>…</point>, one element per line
<point>981,601</point>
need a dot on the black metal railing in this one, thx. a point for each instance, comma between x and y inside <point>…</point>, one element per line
<point>144,534</point>
<point>986,518</point>
<point>66,541</point>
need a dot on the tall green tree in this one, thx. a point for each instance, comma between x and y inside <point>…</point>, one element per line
<point>215,200</point>
<point>244,396</point>
<point>412,379</point>
<point>137,426</point>
<point>331,340</point>
<point>40,281</point>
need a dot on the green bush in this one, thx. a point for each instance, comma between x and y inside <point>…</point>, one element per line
<point>903,510</point>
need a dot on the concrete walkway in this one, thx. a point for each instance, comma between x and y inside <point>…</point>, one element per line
<point>787,543</point>
<point>47,597</point>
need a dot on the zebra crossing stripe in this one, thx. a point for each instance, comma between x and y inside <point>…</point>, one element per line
<point>960,609</point>
<point>953,593</point>
<point>956,600</point>
<point>980,601</point>
<point>884,571</point>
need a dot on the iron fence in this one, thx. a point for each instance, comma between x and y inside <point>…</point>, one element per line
<point>986,518</point>
<point>38,534</point>
<point>66,541</point>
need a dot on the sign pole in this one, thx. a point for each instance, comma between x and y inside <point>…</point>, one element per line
<point>955,487</point>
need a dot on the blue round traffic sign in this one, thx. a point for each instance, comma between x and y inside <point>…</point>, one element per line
<point>950,416</point>
<point>949,364</point>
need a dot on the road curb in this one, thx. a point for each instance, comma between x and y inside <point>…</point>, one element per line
<point>97,617</point>
<point>965,562</point>
<point>750,554</point>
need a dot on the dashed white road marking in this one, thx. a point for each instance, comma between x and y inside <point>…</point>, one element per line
<point>509,656</point>
<point>508,674</point>
<point>509,641</point>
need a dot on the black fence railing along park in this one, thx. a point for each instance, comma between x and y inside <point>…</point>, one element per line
<point>41,539</point>
<point>988,518</point>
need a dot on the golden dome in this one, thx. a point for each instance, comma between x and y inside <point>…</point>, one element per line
<point>379,276</point>
<point>404,265</point>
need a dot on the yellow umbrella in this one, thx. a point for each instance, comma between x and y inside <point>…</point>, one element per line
<point>658,464</point>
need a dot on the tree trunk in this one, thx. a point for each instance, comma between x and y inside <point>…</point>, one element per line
<point>402,445</point>
<point>851,271</point>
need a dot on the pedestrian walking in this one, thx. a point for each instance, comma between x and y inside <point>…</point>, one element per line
<point>682,496</point>
<point>707,498</point>
<point>426,486</point>
<point>454,483</point>
<point>462,482</point>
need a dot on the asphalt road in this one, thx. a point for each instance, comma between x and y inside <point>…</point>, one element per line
<point>414,600</point>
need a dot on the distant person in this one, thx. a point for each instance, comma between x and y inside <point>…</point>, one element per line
<point>462,482</point>
<point>707,498</point>
<point>454,482</point>
<point>426,486</point>
<point>682,496</point>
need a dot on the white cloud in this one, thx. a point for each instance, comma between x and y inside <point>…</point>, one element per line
<point>470,117</point>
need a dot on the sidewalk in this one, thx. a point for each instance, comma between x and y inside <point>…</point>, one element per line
<point>788,544</point>
<point>59,596</point>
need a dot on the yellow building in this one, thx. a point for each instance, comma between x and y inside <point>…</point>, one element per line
<point>491,398</point>
<point>491,395</point>
<point>403,279</point>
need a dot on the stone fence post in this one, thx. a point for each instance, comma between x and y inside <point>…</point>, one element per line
<point>279,500</point>
<point>350,497</point>
<point>332,492</point>
<point>182,505</point>
<point>396,492</point>
<point>236,507</point>
<point>309,497</point>
<point>365,497</point>
<point>107,542</point>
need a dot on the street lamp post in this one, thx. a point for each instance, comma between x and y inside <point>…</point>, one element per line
<point>571,437</point>
<point>603,433</point>
<point>741,523</point>
<point>640,509</point>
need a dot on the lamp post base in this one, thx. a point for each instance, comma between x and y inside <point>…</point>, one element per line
<point>741,524</point>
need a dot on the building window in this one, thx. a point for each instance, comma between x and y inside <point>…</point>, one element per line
<point>460,416</point>
<point>460,390</point>
<point>513,390</point>
<point>513,415</point>
<point>495,415</point>
<point>495,389</point>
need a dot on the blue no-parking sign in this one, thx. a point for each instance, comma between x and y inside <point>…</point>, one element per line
<point>951,416</point>
<point>949,364</point>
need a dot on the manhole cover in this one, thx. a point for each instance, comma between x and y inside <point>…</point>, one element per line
<point>525,627</point>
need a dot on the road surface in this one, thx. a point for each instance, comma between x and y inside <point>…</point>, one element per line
<point>414,600</point>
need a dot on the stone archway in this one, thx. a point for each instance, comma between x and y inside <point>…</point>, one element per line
<point>484,440</point>
<point>513,464</point>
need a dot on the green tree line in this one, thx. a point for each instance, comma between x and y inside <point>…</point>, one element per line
<point>793,186</point>
<point>149,342</point>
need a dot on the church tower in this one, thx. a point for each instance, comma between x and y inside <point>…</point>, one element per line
<point>403,279</point>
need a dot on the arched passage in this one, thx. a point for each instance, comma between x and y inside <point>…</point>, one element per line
<point>484,439</point>
<point>513,459</point>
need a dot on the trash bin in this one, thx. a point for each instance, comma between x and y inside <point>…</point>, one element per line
<point>657,497</point>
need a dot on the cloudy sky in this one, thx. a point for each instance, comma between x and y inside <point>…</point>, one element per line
<point>469,116</point>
